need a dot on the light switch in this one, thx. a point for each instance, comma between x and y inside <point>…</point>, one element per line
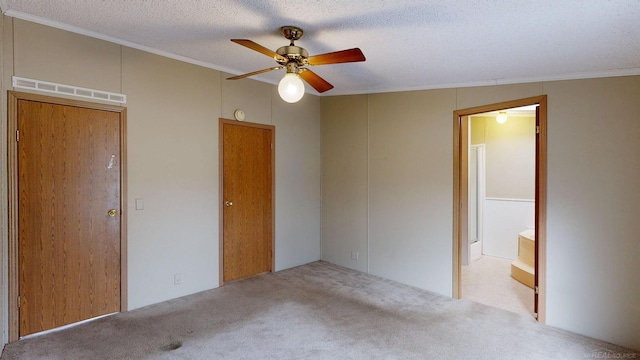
<point>139,204</point>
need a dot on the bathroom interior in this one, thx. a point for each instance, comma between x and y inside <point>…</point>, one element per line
<point>499,254</point>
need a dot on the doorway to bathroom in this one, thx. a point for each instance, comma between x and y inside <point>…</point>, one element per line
<point>499,205</point>
<point>499,268</point>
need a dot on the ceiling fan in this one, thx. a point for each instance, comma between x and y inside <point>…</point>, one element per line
<point>294,59</point>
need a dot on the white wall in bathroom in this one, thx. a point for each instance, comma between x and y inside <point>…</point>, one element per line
<point>503,220</point>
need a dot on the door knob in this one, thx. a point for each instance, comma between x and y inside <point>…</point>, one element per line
<point>112,212</point>
<point>228,203</point>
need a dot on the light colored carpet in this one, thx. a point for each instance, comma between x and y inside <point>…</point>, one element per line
<point>488,281</point>
<point>315,311</point>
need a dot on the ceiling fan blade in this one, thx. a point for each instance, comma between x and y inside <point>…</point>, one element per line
<point>321,85</point>
<point>259,48</point>
<point>337,57</point>
<point>255,73</point>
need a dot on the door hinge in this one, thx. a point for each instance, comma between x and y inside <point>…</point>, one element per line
<point>536,290</point>
<point>17,135</point>
<point>537,129</point>
<point>18,301</point>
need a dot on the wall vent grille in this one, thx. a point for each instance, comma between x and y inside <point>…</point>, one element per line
<point>24,83</point>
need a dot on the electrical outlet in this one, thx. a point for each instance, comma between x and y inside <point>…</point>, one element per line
<point>177,279</point>
<point>355,256</point>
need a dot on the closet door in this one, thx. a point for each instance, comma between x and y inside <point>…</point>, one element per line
<point>247,163</point>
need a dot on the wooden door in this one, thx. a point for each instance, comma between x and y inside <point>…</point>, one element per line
<point>68,239</point>
<point>540,212</point>
<point>247,196</point>
<point>536,220</point>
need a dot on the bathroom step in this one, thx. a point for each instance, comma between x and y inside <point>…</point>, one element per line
<point>526,247</point>
<point>523,272</point>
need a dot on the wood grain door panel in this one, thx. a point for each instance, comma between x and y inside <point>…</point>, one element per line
<point>247,193</point>
<point>68,245</point>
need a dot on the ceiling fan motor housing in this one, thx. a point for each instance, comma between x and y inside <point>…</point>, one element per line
<point>292,53</point>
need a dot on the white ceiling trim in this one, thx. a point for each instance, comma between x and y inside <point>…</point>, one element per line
<point>575,76</point>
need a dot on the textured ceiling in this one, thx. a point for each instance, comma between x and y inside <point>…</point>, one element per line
<point>409,44</point>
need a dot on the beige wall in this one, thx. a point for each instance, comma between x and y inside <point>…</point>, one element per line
<point>510,154</point>
<point>298,179</point>
<point>172,142</point>
<point>593,171</point>
<point>345,181</point>
<point>411,184</point>
<point>593,244</point>
<point>70,58</point>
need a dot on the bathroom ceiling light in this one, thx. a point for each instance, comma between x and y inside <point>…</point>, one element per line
<point>502,117</point>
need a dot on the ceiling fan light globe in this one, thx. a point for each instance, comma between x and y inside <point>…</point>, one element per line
<point>291,88</point>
